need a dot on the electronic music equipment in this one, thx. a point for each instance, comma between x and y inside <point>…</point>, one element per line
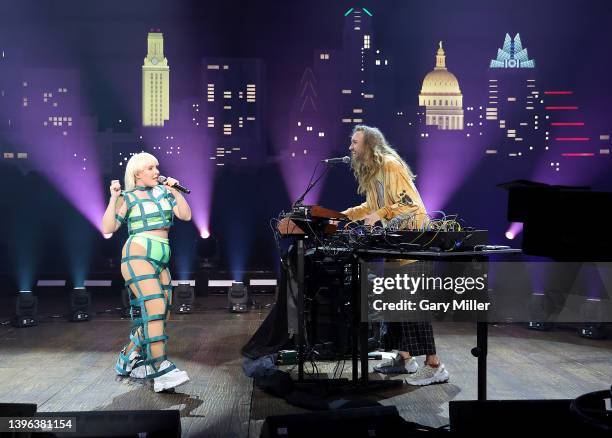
<point>309,219</point>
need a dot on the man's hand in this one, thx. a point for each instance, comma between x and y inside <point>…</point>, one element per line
<point>371,219</point>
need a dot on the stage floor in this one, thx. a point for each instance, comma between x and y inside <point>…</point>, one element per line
<point>64,366</point>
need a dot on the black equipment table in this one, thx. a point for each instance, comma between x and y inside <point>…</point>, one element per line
<point>359,350</point>
<point>360,336</point>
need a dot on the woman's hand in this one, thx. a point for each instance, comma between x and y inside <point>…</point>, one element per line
<point>115,188</point>
<point>170,182</point>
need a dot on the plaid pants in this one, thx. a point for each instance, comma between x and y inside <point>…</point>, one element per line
<point>414,337</point>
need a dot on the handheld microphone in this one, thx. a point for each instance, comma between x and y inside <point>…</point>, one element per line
<point>344,160</point>
<point>162,179</point>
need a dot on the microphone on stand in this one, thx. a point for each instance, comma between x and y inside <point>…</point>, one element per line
<point>345,160</point>
<point>162,179</point>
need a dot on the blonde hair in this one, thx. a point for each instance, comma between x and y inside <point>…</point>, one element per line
<point>134,165</point>
<point>376,150</point>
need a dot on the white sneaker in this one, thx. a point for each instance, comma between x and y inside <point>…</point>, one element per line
<point>142,371</point>
<point>169,380</point>
<point>132,359</point>
<point>428,375</point>
<point>397,365</point>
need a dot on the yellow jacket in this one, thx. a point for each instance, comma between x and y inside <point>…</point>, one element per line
<point>400,196</point>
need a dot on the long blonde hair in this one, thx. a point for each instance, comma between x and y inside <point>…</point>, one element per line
<point>376,149</point>
<point>134,165</point>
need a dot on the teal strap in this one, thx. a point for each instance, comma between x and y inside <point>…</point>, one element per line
<point>161,373</point>
<point>160,209</point>
<point>137,278</point>
<point>142,299</point>
<point>152,362</point>
<point>136,341</point>
<point>142,212</point>
<point>120,219</point>
<point>157,317</point>
<point>130,269</point>
<point>161,358</point>
<point>154,339</point>
<point>134,257</point>
<point>155,263</point>
<point>171,199</point>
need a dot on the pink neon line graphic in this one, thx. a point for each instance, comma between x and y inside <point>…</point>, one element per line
<point>572,138</point>
<point>578,154</point>
<point>561,107</point>
<point>558,92</point>
<point>567,124</point>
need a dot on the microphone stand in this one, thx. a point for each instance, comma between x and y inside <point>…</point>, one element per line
<point>300,200</point>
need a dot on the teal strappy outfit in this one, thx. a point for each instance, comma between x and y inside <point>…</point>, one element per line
<point>152,212</point>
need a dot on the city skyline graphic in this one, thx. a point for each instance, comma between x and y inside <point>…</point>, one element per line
<point>469,96</point>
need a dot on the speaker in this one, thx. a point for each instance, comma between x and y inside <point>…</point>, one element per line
<point>368,422</point>
<point>162,424</point>
<point>536,417</point>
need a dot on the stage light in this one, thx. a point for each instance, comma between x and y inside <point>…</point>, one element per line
<point>107,235</point>
<point>205,234</point>
<point>183,296</point>
<point>26,309</point>
<point>238,297</point>
<point>540,308</point>
<point>592,310</point>
<point>515,229</point>
<point>128,310</point>
<point>80,303</point>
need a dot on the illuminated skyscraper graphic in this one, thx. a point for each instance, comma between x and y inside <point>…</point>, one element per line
<point>512,55</point>
<point>441,96</point>
<point>364,80</point>
<point>155,83</point>
<point>514,109</point>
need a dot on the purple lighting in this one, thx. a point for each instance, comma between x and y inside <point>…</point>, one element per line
<point>515,229</point>
<point>194,169</point>
<point>438,179</point>
<point>297,170</point>
<point>59,140</point>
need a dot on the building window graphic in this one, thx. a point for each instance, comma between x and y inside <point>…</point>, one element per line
<point>251,93</point>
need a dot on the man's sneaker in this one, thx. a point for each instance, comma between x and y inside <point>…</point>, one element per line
<point>132,359</point>
<point>397,365</point>
<point>169,380</point>
<point>428,375</point>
